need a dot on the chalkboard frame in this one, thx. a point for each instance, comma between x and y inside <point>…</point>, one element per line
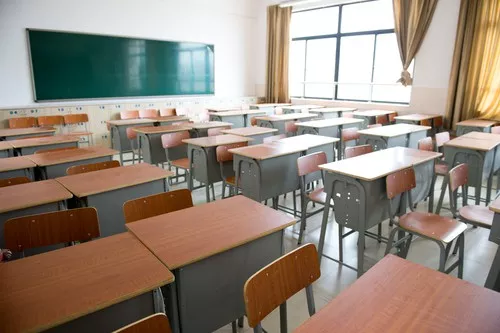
<point>32,74</point>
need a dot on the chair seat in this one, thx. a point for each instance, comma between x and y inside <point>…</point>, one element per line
<point>433,226</point>
<point>477,215</point>
<point>182,163</point>
<point>441,169</point>
<point>319,196</point>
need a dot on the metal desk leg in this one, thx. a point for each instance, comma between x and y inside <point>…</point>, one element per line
<point>493,279</point>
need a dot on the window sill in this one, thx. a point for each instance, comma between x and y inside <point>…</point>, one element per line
<point>361,105</point>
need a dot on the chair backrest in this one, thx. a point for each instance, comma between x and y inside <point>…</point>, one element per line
<point>347,114</point>
<point>310,163</point>
<point>83,168</point>
<point>350,134</point>
<point>14,181</point>
<point>273,138</point>
<point>494,130</point>
<point>458,176</point>
<point>217,130</point>
<point>168,112</point>
<point>253,121</point>
<point>290,127</point>
<point>392,117</point>
<point>23,122</point>
<point>426,144</point>
<point>382,119</point>
<point>170,140</point>
<point>400,182</point>
<point>157,323</point>
<point>50,120</point>
<point>65,226</point>
<point>131,134</point>
<point>148,113</point>
<point>280,280</point>
<point>426,122</point>
<point>130,114</point>
<point>71,119</point>
<point>278,110</point>
<point>374,126</point>
<point>222,153</point>
<point>157,204</point>
<point>53,150</point>
<point>441,138</point>
<point>438,122</point>
<point>357,151</point>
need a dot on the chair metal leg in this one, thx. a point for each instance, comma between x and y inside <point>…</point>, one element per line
<point>442,257</point>
<point>207,192</point>
<point>390,241</point>
<point>240,321</point>
<point>461,240</point>
<point>213,191</point>
<point>406,248</point>
<point>283,318</point>
<point>341,242</point>
<point>258,328</point>
<point>441,196</point>
<point>455,249</point>
<point>294,200</point>
<point>379,233</point>
<point>224,189</point>
<point>361,253</point>
<point>303,213</point>
<point>310,300</point>
<point>233,326</point>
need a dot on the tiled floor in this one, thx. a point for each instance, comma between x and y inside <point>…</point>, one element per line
<point>335,278</point>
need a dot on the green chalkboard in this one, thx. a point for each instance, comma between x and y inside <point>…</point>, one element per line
<point>81,66</point>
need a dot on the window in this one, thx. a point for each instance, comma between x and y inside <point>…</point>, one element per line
<point>347,52</point>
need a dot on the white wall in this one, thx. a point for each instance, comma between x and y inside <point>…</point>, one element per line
<point>229,24</point>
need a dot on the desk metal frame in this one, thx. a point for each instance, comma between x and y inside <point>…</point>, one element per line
<point>379,142</point>
<point>59,170</point>
<point>237,120</point>
<point>24,172</point>
<point>461,129</point>
<point>31,150</point>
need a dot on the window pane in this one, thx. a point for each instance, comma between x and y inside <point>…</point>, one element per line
<point>315,22</point>
<point>388,93</point>
<point>388,66</point>
<point>319,90</point>
<point>359,92</point>
<point>366,16</point>
<point>297,63</point>
<point>320,67</point>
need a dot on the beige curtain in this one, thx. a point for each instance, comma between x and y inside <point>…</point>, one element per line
<point>474,89</point>
<point>412,19</point>
<point>278,44</point>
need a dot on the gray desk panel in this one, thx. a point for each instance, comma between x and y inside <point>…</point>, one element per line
<point>237,120</point>
<point>414,137</point>
<point>259,138</point>
<point>59,170</point>
<point>269,110</point>
<point>328,115</point>
<point>461,130</point>
<point>18,173</point>
<point>382,142</point>
<point>367,120</point>
<point>31,150</point>
<point>151,148</point>
<point>279,125</point>
<point>22,136</point>
<point>5,153</point>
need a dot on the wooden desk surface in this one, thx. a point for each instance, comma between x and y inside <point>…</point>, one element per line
<point>49,289</point>
<point>224,108</point>
<point>101,181</point>
<point>266,151</point>
<point>125,122</point>
<point>43,141</point>
<point>417,117</point>
<point>308,140</point>
<point>482,136</point>
<point>15,163</point>
<point>249,131</point>
<point>328,110</point>
<point>330,122</point>
<point>5,145</point>
<point>210,124</point>
<point>182,237</point>
<point>33,194</point>
<point>373,113</point>
<point>397,296</point>
<point>288,116</point>
<point>6,132</point>
<point>162,129</point>
<point>268,105</point>
<point>495,206</point>
<point>394,130</point>
<point>478,123</point>
<point>217,140</point>
<point>302,106</point>
<point>234,113</point>
<point>380,163</point>
<point>472,143</point>
<point>168,118</point>
<point>71,155</point>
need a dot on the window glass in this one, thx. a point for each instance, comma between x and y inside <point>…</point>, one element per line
<point>296,69</point>
<point>315,22</point>
<point>367,16</point>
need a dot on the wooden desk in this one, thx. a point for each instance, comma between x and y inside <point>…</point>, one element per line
<point>20,166</point>
<point>299,108</point>
<point>415,118</point>
<point>256,133</point>
<point>328,127</point>
<point>370,116</point>
<point>363,177</point>
<point>314,144</point>
<point>327,113</point>
<point>239,118</point>
<point>55,164</point>
<point>224,242</point>
<point>108,189</point>
<point>397,295</point>
<point>29,146</point>
<point>19,133</point>
<point>88,285</point>
<point>150,145</point>
<point>224,108</point>
<point>199,130</point>
<point>118,130</point>
<point>278,121</point>
<point>30,198</point>
<point>168,120</point>
<point>475,125</point>
<point>5,149</point>
<point>399,135</point>
<point>203,165</point>
<point>267,107</point>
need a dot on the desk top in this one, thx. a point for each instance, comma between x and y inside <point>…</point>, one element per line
<point>162,129</point>
<point>182,237</point>
<point>330,122</point>
<point>223,108</point>
<point>269,105</point>
<point>482,136</point>
<point>33,194</point>
<point>472,143</point>
<point>302,106</point>
<point>373,113</point>
<point>15,163</point>
<point>417,117</point>
<point>95,182</point>
<point>308,140</point>
<point>381,163</point>
<point>478,123</point>
<point>288,116</point>
<point>234,113</point>
<point>209,124</point>
<point>49,289</point>
<point>329,110</point>
<point>43,141</point>
<point>495,206</point>
<point>5,132</point>
<point>266,151</point>
<point>394,130</point>
<point>249,131</point>
<point>217,140</point>
<point>397,295</point>
<point>124,122</point>
<point>4,145</point>
<point>71,155</point>
<point>168,118</point>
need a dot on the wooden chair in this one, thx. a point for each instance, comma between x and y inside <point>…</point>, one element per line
<point>23,122</point>
<point>225,159</point>
<point>357,151</point>
<point>441,139</point>
<point>84,168</point>
<point>157,204</point>
<point>51,121</point>
<point>61,227</point>
<point>374,126</point>
<point>349,136</point>
<point>148,113</point>
<point>171,141</point>
<point>253,121</point>
<point>72,120</point>
<point>274,284</point>
<point>426,144</point>
<point>392,117</point>
<point>14,181</point>
<point>217,131</point>
<point>134,144</point>
<point>441,230</point>
<point>273,138</point>
<point>168,112</point>
<point>291,128</point>
<point>441,168</point>
<point>426,122</point>
<point>53,150</point>
<point>438,123</point>
<point>382,120</point>
<point>130,114</point>
<point>157,323</point>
